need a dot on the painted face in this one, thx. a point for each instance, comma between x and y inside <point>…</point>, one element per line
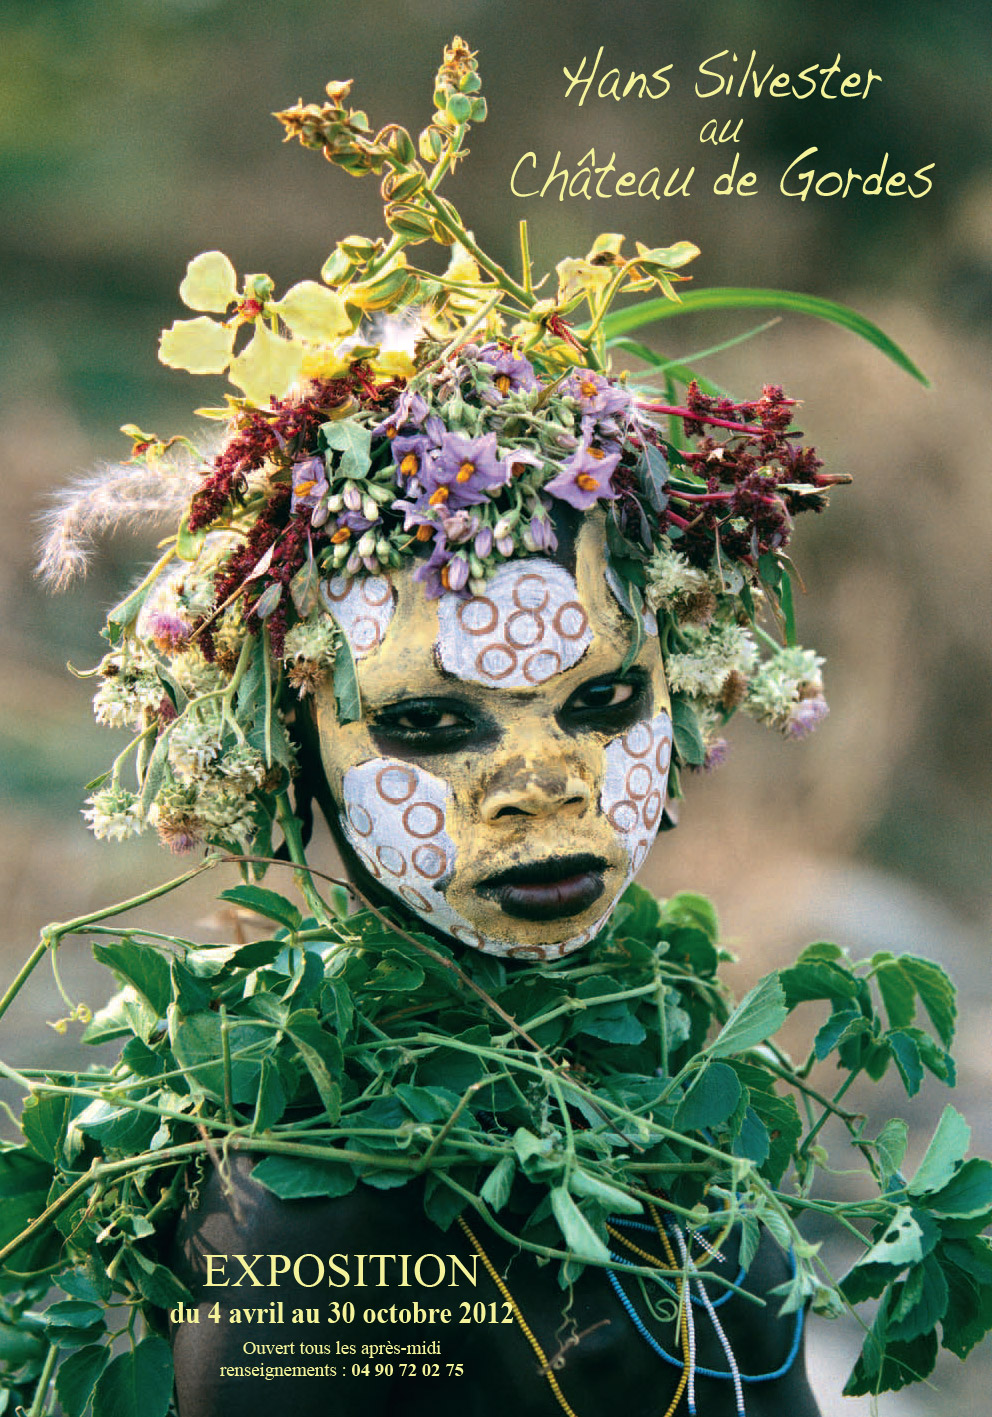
<point>506,779</point>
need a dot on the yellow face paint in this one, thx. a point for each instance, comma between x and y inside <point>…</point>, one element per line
<point>505,780</point>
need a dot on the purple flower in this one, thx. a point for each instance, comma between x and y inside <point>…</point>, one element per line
<point>510,375</point>
<point>483,544</point>
<point>464,471</point>
<point>410,454</point>
<point>520,459</point>
<point>585,478</point>
<point>411,407</point>
<point>542,533</point>
<point>309,483</point>
<point>168,631</point>
<point>805,716</point>
<point>460,526</point>
<point>595,394</point>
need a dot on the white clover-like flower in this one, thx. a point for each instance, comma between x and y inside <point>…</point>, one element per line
<point>194,675</point>
<point>670,577</point>
<point>241,769</point>
<point>113,814</point>
<point>128,690</point>
<point>702,670</point>
<point>195,742</point>
<point>788,678</point>
<point>313,639</point>
<point>226,814</point>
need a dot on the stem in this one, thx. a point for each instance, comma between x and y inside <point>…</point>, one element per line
<point>525,257</point>
<point>52,935</point>
<point>674,411</point>
<point>40,1401</point>
<point>454,226</point>
<point>303,874</point>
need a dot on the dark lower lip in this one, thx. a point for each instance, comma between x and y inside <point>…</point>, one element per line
<point>553,898</point>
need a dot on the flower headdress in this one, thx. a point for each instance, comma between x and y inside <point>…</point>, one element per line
<point>446,444</point>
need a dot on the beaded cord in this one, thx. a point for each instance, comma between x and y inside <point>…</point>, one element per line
<point>653,1343</point>
<point>718,1329</point>
<point>528,1333</point>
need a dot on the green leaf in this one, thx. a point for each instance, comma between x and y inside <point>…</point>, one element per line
<point>296,1177</point>
<point>685,726</point>
<point>890,1146</point>
<point>136,1384</point>
<point>948,1148</point>
<point>901,1244</point>
<point>613,1200</point>
<point>712,1098</point>
<point>539,1157</point>
<point>906,1054</point>
<point>817,979</point>
<point>686,908</point>
<point>353,441</point>
<point>841,1027</point>
<point>898,994</point>
<point>77,1375</point>
<point>272,1099</point>
<point>967,1194</point>
<point>396,972</point>
<point>937,994</point>
<point>141,966</point>
<point>266,903</point>
<point>758,1015</point>
<point>887,1367</point>
<point>74,1313</point>
<point>922,1303</point>
<point>581,1239</point>
<point>196,1043</point>
<point>968,1317</point>
<point>43,1122</point>
<point>499,1183</point>
<point>347,696</point>
<point>322,1056</point>
<point>621,322</point>
<point>154,1282</point>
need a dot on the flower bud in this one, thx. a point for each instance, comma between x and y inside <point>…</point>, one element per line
<point>353,564</point>
<point>370,508</point>
<point>319,514</point>
<point>366,544</point>
<point>457,573</point>
<point>352,497</point>
<point>382,549</point>
<point>504,545</point>
<point>335,503</point>
<point>483,544</point>
<point>382,495</point>
<point>477,585</point>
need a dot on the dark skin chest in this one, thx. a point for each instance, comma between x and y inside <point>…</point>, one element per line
<point>609,1368</point>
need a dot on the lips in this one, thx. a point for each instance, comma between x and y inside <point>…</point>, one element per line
<point>555,888</point>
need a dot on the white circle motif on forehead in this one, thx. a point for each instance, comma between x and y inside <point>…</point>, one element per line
<point>528,626</point>
<point>363,606</point>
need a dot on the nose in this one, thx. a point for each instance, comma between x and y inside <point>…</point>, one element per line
<point>528,788</point>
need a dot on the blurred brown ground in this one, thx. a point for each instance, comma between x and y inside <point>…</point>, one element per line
<point>134,134</point>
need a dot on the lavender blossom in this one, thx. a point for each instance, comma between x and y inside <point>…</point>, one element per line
<point>585,479</point>
<point>595,394</point>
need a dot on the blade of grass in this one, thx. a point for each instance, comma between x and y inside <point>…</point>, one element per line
<point>621,322</point>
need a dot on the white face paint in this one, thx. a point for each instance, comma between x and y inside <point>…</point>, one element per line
<point>506,780</point>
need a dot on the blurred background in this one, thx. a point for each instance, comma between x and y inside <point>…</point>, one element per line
<point>136,133</point>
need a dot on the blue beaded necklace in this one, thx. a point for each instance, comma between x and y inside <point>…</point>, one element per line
<point>701,1299</point>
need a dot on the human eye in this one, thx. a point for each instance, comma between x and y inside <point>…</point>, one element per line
<point>425,725</point>
<point>607,703</point>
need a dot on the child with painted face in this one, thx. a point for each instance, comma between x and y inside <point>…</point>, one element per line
<point>508,774</point>
<point>504,782</point>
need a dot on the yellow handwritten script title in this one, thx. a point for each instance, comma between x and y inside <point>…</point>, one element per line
<point>720,75</point>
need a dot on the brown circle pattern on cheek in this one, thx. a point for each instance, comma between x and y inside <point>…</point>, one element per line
<point>633,791</point>
<point>363,606</point>
<point>394,818</point>
<point>529,626</point>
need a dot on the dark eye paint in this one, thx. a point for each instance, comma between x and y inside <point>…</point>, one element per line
<point>608,704</point>
<point>427,726</point>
